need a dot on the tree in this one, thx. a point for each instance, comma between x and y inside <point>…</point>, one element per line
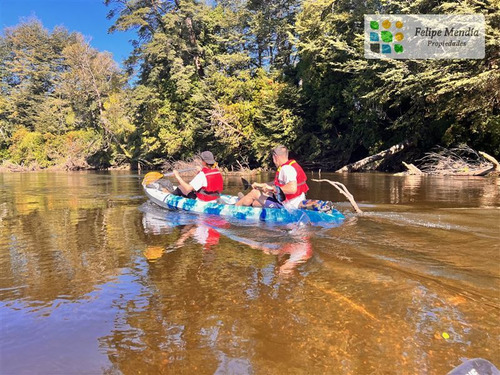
<point>356,107</point>
<point>31,65</point>
<point>269,26</point>
<point>92,82</point>
<point>52,83</point>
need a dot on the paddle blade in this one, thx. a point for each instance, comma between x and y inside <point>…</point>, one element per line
<point>280,196</point>
<point>151,177</point>
<point>246,184</point>
<point>478,366</point>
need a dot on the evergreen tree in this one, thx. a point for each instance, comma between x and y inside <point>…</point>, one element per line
<point>52,84</point>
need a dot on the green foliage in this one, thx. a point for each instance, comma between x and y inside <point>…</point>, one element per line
<point>249,115</point>
<point>73,149</point>
<point>198,85</point>
<point>28,147</point>
<point>54,83</point>
<point>29,70</point>
<point>355,107</point>
<point>238,77</point>
<point>70,150</point>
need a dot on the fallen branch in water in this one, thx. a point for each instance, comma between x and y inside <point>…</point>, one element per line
<point>359,165</point>
<point>343,190</point>
<point>412,169</point>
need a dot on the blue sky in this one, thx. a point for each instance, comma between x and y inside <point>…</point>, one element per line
<point>85,16</point>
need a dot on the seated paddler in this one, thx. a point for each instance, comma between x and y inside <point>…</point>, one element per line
<point>206,185</point>
<point>287,190</point>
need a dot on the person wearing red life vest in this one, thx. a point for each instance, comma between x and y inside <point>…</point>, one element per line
<point>206,185</point>
<point>290,179</point>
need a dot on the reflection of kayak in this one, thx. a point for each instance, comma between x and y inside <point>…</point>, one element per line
<point>229,210</point>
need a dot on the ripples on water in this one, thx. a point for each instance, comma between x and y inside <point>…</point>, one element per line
<point>96,280</point>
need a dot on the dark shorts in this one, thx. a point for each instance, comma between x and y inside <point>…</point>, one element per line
<point>191,195</point>
<point>272,202</point>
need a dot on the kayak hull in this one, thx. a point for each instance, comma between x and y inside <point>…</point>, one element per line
<point>252,214</point>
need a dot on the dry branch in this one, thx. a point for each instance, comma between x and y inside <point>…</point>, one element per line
<point>459,161</point>
<point>342,190</point>
<point>191,163</point>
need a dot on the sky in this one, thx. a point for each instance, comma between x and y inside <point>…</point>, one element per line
<point>85,16</point>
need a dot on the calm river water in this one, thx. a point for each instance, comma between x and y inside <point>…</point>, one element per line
<point>94,280</point>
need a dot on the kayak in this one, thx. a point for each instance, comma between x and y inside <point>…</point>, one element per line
<point>225,207</point>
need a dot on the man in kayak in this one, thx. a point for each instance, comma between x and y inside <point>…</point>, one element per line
<point>206,185</point>
<point>290,181</point>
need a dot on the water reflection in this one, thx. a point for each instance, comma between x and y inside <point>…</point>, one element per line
<point>291,249</point>
<point>89,283</point>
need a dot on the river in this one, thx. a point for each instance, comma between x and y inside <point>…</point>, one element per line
<point>96,280</point>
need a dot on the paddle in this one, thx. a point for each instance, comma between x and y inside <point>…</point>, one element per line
<point>151,177</point>
<point>280,196</point>
<point>246,184</point>
<point>476,366</point>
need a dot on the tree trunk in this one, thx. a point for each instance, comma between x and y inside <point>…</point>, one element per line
<point>194,43</point>
<point>188,22</point>
<point>354,167</point>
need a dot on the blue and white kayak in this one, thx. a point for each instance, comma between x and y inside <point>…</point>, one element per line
<point>225,207</point>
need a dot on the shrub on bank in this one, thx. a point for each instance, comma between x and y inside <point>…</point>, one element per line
<point>28,148</point>
<point>68,151</point>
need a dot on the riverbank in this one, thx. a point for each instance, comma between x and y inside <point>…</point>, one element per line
<point>8,167</point>
<point>460,161</point>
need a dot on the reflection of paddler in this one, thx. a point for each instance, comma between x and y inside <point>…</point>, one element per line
<point>202,234</point>
<point>153,253</point>
<point>299,252</point>
<point>206,236</point>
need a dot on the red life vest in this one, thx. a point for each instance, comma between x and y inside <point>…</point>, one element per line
<point>301,179</point>
<point>214,185</point>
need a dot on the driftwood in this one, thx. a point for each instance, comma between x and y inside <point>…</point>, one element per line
<point>491,159</point>
<point>412,169</point>
<point>459,161</point>
<point>355,306</point>
<point>343,190</point>
<point>354,167</point>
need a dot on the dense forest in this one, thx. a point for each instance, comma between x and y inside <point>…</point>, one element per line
<point>236,77</point>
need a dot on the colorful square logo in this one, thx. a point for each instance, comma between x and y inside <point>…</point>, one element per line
<point>386,36</point>
<point>424,36</point>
